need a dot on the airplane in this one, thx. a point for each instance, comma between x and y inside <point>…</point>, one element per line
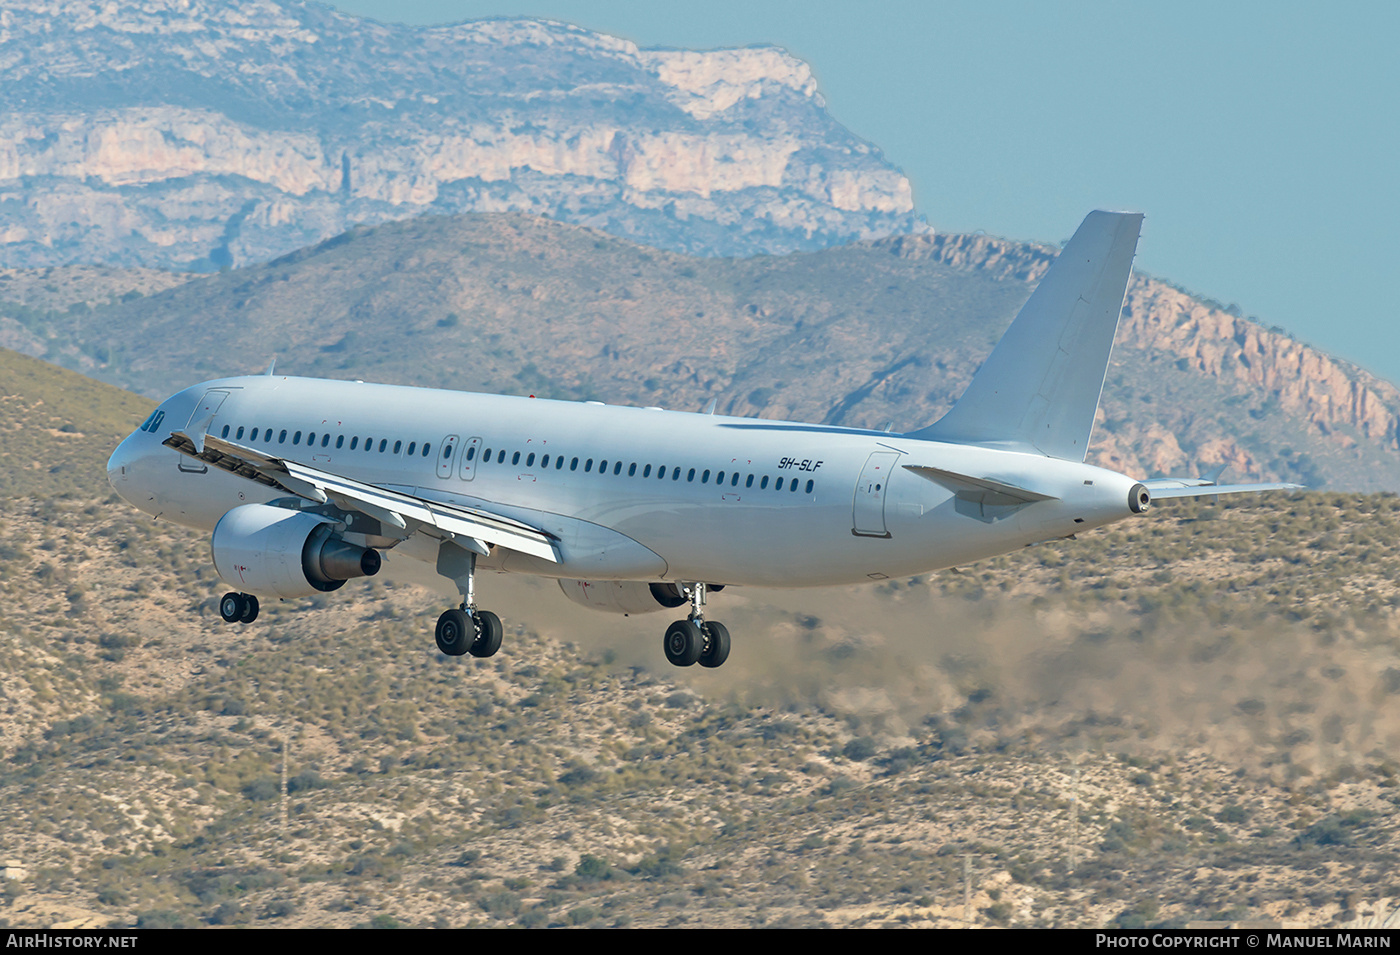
<point>304,484</point>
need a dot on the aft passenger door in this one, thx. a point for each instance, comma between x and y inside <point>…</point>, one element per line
<point>868,509</point>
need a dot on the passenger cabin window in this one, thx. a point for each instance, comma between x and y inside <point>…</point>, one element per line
<point>326,439</point>
<point>282,438</point>
<point>383,443</point>
<point>397,445</point>
<point>426,449</point>
<point>339,441</point>
<point>515,459</point>
<point>412,446</point>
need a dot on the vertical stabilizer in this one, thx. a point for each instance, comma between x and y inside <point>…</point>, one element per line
<point>1040,387</point>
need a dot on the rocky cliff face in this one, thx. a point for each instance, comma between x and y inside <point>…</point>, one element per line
<point>194,133</point>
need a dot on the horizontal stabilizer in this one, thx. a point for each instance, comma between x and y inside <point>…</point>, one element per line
<point>986,490</point>
<point>1163,489</point>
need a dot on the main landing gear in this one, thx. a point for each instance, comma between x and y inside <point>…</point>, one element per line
<point>465,629</point>
<point>238,608</point>
<point>460,631</point>
<point>695,640</point>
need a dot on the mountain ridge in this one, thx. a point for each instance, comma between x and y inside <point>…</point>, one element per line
<point>196,134</point>
<point>889,330</point>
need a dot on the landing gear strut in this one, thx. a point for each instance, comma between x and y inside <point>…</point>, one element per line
<point>694,640</point>
<point>465,629</point>
<point>238,608</point>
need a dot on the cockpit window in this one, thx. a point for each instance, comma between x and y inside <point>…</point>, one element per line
<point>153,422</point>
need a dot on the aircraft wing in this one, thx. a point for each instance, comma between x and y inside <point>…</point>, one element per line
<point>406,512</point>
<point>1163,488</point>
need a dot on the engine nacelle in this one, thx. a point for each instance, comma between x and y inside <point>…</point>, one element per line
<point>623,596</point>
<point>261,549</point>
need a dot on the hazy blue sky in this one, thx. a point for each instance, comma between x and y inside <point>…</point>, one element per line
<point>1260,139</point>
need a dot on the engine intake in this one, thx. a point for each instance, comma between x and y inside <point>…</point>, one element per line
<point>272,550</point>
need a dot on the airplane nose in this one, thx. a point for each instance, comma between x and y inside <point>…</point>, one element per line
<point>119,465</point>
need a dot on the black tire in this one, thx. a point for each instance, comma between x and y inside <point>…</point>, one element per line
<point>488,636</point>
<point>250,609</point>
<point>232,607</point>
<point>683,643</point>
<point>455,632</point>
<point>716,645</point>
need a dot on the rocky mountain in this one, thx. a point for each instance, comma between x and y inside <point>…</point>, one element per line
<point>196,134</point>
<point>885,331</point>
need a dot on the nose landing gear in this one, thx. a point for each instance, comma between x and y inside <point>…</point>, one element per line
<point>238,608</point>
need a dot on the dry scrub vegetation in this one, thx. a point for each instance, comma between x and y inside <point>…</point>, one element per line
<point>1217,687</point>
<point>1231,741</point>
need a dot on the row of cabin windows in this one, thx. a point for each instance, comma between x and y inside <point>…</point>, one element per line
<point>545,460</point>
<point>268,435</point>
<point>720,477</point>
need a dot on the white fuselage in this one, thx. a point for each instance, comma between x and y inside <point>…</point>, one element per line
<point>742,500</point>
